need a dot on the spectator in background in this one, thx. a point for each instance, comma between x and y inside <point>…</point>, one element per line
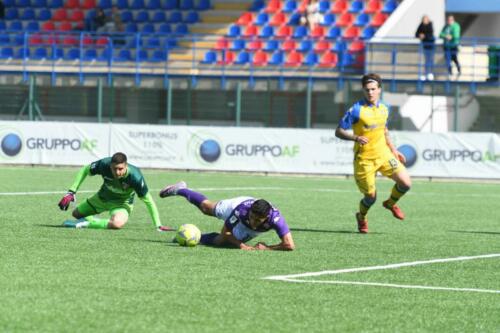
<point>100,20</point>
<point>2,10</point>
<point>312,16</point>
<point>451,39</point>
<point>425,32</point>
<point>115,23</point>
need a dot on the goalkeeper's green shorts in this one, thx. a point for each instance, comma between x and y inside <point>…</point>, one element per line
<point>95,205</point>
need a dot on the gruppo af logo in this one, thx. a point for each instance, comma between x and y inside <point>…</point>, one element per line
<point>410,153</point>
<point>11,144</point>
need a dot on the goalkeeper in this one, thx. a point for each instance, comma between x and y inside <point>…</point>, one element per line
<point>116,195</point>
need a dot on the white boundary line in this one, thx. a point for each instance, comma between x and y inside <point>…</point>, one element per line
<point>296,277</point>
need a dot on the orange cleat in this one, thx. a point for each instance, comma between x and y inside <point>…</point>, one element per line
<point>396,211</point>
<point>362,223</point>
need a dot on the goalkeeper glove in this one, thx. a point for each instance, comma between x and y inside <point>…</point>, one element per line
<point>66,200</point>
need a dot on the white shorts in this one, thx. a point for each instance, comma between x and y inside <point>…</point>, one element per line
<point>224,208</point>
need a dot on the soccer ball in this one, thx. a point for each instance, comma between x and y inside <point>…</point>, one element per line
<point>188,235</point>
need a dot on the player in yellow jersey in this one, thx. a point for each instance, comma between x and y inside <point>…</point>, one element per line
<point>373,150</point>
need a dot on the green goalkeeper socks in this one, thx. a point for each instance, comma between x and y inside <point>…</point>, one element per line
<point>97,223</point>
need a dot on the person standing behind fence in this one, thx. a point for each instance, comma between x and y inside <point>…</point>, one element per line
<point>451,40</point>
<point>425,32</point>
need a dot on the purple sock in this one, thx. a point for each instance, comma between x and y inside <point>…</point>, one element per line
<point>193,197</point>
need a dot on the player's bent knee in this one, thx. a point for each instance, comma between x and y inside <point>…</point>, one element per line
<point>76,214</point>
<point>207,207</point>
<point>116,224</point>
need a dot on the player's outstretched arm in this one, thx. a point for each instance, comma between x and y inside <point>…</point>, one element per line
<point>153,211</point>
<point>226,238</point>
<point>70,195</point>
<point>286,244</point>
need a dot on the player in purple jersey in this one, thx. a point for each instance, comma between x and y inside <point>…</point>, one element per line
<point>244,219</point>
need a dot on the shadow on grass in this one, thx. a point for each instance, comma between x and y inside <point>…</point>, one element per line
<point>51,226</point>
<point>476,232</point>
<point>329,231</point>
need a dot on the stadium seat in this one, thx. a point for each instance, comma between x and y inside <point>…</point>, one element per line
<point>271,45</point>
<point>273,6</point>
<point>56,53</point>
<point>221,44</point>
<point>44,14</point>
<point>16,26</point>
<point>153,42</point>
<point>322,46</point>
<point>203,5</point>
<point>60,15</point>
<point>89,55</point>
<point>70,40</point>
<point>22,53</point>
<point>362,20</point>
<point>250,31</point>
<point>339,6</point>
<point>141,55</point>
<point>71,4</point>
<point>169,4</point>
<point>238,45</point>
<point>137,4</point>
<point>159,17</point>
<point>142,16</point>
<point>356,6</point>
<point>334,33</point>
<point>356,46</point>
<point>346,60</point>
<point>277,19</point>
<point>165,28</point>
<point>153,4</point>
<point>368,33</point>
<point>102,41</point>
<point>351,32</point>
<point>324,6</point>
<point>186,4</point>
<point>245,19</point>
<point>175,17</point>
<point>122,4</point>
<point>294,19</point>
<point>11,14</point>
<point>148,28</point>
<point>19,39</point>
<point>55,3</point>
<point>254,45</point>
<point>6,53</point>
<point>305,46</point>
<point>39,3</point>
<point>311,59</point>
<point>318,32</point>
<point>389,6</point>
<point>339,46</point>
<point>106,55</point>
<point>131,27</point>
<point>87,40</point>
<point>290,6</point>
<point>23,3</point>
<point>226,58</point>
<point>345,20</point>
<point>28,14</point>
<point>35,39</point>
<point>72,54</point>
<point>328,60</point>
<point>257,5</point>
<point>48,26</point>
<point>40,54</point>
<point>234,31</point>
<point>259,58</point>
<point>159,56</point>
<point>378,19</point>
<point>284,31</point>
<point>88,4</point>
<point>243,58</point>
<point>181,29</point>
<point>123,55</point>
<point>300,32</point>
<point>2,25</point>
<point>105,4</point>
<point>328,20</point>
<point>266,32</point>
<point>373,6</point>
<point>262,19</point>
<point>277,59</point>
<point>76,15</point>
<point>289,45</point>
<point>65,26</point>
<point>192,17</point>
<point>302,6</point>
<point>209,58</point>
<point>294,59</point>
<point>127,16</point>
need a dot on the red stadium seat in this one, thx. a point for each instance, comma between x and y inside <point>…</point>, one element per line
<point>260,58</point>
<point>35,39</point>
<point>245,19</point>
<point>254,45</point>
<point>284,31</point>
<point>102,42</point>
<point>339,6</point>
<point>221,44</point>
<point>378,19</point>
<point>328,60</point>
<point>345,20</point>
<point>278,19</point>
<point>60,15</point>
<point>373,6</point>
<point>294,59</point>
<point>227,58</point>
<point>76,15</point>
<point>289,45</point>
<point>302,7</point>
<point>70,4</point>
<point>48,26</point>
<point>273,6</point>
<point>65,26</point>
<point>318,32</point>
<point>88,4</point>
<point>351,32</point>
<point>70,41</point>
<point>322,46</point>
<point>250,31</point>
<point>87,40</point>
<point>356,46</point>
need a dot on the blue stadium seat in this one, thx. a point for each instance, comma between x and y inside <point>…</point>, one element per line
<point>339,46</point>
<point>104,4</point>
<point>266,32</point>
<point>142,55</point>
<point>153,4</point>
<point>238,44</point>
<point>33,26</point>
<point>362,20</point>
<point>311,59</point>
<point>334,33</point>
<point>55,3</point>
<point>127,16</point>
<point>2,25</point>
<point>186,4</point>
<point>243,58</point>
<point>165,28</point>
<point>210,58</point>
<point>346,59</point>
<point>234,31</point>
<point>72,54</point>
<point>159,17</point>
<point>142,16</point>
<point>305,46</point>
<point>44,14</point>
<point>277,58</point>
<point>175,17</point>
<point>23,3</point>
<point>294,19</point>
<point>152,42</point>
<point>16,26</point>
<point>181,29</point>
<point>137,4</point>
<point>356,6</point>
<point>19,39</point>
<point>89,55</point>
<point>192,17</point>
<point>203,5</point>
<point>40,3</point>
<point>28,14</point>
<point>257,5</point>
<point>324,6</point>
<point>57,53</point>
<point>131,27</point>
<point>9,3</point>
<point>11,14</point>
<point>122,4</point>
<point>169,4</point>
<point>106,55</point>
<point>22,53</point>
<point>262,19</point>
<point>300,32</point>
<point>328,20</point>
<point>148,28</point>
<point>389,6</point>
<point>159,56</point>
<point>6,53</point>
<point>271,45</point>
<point>40,53</point>
<point>289,6</point>
<point>368,33</point>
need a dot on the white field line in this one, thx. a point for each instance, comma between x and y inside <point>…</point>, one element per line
<point>297,277</point>
<point>269,188</point>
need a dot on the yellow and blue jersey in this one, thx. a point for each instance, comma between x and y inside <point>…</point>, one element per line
<point>370,121</point>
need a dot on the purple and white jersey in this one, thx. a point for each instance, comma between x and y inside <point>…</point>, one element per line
<point>235,212</point>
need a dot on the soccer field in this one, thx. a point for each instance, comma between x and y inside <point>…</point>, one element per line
<point>438,271</point>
